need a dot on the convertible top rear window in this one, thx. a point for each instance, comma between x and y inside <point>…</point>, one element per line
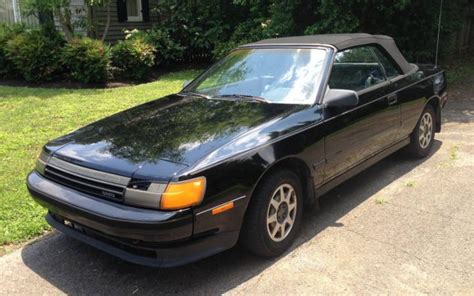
<point>277,75</point>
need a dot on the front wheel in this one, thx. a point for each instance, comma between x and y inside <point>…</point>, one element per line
<point>274,215</point>
<point>422,138</point>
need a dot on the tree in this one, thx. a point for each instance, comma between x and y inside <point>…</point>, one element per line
<point>61,9</point>
<point>102,3</point>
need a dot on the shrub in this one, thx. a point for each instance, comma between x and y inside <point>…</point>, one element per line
<point>7,32</point>
<point>86,59</point>
<point>35,57</point>
<point>167,50</point>
<point>223,48</point>
<point>192,29</point>
<point>133,58</point>
<point>246,32</point>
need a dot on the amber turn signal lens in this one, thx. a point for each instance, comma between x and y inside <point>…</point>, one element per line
<point>183,194</point>
<point>223,208</point>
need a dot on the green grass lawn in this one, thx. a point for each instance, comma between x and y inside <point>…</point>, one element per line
<point>29,117</point>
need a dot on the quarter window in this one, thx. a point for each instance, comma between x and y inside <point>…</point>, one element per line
<point>356,69</point>
<point>390,68</point>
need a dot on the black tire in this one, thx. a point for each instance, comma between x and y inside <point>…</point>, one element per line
<point>255,236</point>
<point>417,147</point>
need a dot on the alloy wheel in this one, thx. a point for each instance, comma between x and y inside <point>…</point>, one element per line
<point>426,130</point>
<point>281,212</point>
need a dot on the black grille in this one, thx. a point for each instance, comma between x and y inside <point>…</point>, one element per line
<point>95,188</point>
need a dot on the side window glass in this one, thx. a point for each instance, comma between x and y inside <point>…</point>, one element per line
<point>390,69</point>
<point>356,69</point>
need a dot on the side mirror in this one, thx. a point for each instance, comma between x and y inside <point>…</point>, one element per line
<point>186,83</point>
<point>341,98</point>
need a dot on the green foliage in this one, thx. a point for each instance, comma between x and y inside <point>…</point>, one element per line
<point>34,56</point>
<point>413,24</point>
<point>219,26</point>
<point>196,25</point>
<point>61,9</point>
<point>332,17</point>
<point>45,5</point>
<point>208,29</point>
<point>86,59</point>
<point>459,70</point>
<point>223,48</point>
<point>245,32</point>
<point>6,33</point>
<point>133,58</point>
<point>261,20</point>
<point>167,50</point>
<point>283,16</point>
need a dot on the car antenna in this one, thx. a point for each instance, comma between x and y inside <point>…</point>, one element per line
<point>439,31</point>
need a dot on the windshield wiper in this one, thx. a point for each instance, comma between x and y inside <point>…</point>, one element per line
<point>246,97</point>
<point>191,93</point>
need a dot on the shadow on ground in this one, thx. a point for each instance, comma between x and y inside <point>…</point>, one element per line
<point>76,268</point>
<point>459,110</point>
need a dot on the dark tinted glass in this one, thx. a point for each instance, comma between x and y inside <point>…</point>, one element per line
<point>356,69</point>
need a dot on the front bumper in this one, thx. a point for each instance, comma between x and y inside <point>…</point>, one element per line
<point>142,236</point>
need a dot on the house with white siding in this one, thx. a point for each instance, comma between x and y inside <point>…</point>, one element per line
<point>124,15</point>
<point>11,11</point>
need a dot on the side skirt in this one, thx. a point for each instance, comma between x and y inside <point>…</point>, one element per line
<point>360,167</point>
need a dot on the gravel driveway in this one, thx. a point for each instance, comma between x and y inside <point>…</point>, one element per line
<point>402,226</point>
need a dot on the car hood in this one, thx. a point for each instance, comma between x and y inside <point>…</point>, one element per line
<point>160,138</point>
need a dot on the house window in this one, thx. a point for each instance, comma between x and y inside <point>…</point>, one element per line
<point>134,10</point>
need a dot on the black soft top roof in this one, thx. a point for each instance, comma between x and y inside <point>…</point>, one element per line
<point>341,42</point>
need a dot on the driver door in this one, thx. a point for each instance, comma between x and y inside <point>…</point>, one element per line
<point>357,134</point>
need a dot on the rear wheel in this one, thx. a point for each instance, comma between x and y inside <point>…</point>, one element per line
<point>422,138</point>
<point>274,215</point>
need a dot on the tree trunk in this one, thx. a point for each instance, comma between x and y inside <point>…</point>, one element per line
<point>107,24</point>
<point>65,24</point>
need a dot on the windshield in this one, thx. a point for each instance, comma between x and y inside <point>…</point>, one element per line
<point>278,75</point>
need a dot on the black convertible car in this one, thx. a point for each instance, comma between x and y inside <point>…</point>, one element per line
<point>240,151</point>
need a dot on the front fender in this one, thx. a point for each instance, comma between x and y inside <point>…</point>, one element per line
<point>238,178</point>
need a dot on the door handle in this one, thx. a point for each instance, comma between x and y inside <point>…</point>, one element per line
<point>392,99</point>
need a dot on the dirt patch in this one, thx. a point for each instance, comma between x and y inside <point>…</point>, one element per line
<point>462,90</point>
